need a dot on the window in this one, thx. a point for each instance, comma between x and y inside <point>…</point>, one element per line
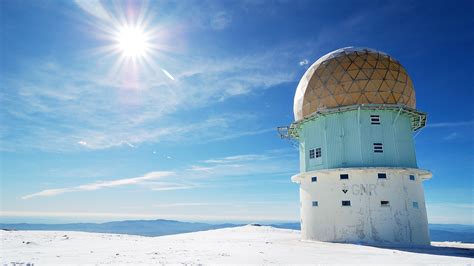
<point>375,119</point>
<point>385,203</point>
<point>412,177</point>
<point>314,179</point>
<point>346,203</point>
<point>318,152</point>
<point>315,153</point>
<point>378,147</point>
<point>415,205</point>
<point>315,204</point>
<point>382,175</point>
<point>344,176</point>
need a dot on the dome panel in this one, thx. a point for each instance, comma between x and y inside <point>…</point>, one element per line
<point>350,76</point>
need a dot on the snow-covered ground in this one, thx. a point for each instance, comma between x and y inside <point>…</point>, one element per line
<point>246,244</point>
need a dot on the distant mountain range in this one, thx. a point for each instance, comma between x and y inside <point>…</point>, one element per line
<point>438,232</point>
<point>134,227</point>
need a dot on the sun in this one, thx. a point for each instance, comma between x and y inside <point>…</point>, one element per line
<point>134,45</point>
<point>132,41</point>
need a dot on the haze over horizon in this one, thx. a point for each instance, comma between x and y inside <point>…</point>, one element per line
<point>168,110</point>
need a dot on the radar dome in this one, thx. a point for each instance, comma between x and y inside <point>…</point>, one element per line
<point>350,76</point>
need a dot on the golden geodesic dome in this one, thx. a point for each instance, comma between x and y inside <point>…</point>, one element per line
<point>350,76</point>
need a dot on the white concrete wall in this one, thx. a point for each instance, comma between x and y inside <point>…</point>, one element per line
<point>365,221</point>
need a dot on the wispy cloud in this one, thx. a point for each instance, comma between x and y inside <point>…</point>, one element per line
<point>106,184</point>
<point>52,107</point>
<point>84,104</point>
<point>238,158</point>
<point>304,62</point>
<point>91,107</point>
<point>273,162</point>
<point>451,136</point>
<point>94,8</point>
<point>450,124</point>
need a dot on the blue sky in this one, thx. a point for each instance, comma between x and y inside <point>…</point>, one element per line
<point>187,131</point>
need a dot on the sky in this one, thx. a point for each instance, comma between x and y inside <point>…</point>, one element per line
<point>183,127</point>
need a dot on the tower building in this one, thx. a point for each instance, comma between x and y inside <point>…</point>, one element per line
<point>355,117</point>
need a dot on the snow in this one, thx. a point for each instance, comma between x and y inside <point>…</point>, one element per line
<point>246,244</point>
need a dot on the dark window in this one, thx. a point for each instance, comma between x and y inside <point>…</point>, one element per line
<point>344,176</point>
<point>375,119</point>
<point>315,204</point>
<point>382,176</point>
<point>378,147</point>
<point>415,205</point>
<point>315,153</point>
<point>385,203</point>
<point>346,203</point>
<point>318,152</point>
<point>412,177</point>
<point>314,179</point>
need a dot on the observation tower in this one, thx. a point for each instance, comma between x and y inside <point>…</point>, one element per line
<point>355,118</point>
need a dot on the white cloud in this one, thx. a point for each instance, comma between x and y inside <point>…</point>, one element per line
<point>102,184</point>
<point>95,8</point>
<point>130,145</point>
<point>237,158</point>
<point>83,143</point>
<point>273,162</point>
<point>451,136</point>
<point>63,109</point>
<point>450,124</point>
<point>165,186</point>
<point>66,106</point>
<point>304,62</point>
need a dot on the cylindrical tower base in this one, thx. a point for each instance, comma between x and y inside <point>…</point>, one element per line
<point>374,205</point>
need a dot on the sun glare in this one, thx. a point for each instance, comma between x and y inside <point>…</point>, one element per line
<point>132,41</point>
